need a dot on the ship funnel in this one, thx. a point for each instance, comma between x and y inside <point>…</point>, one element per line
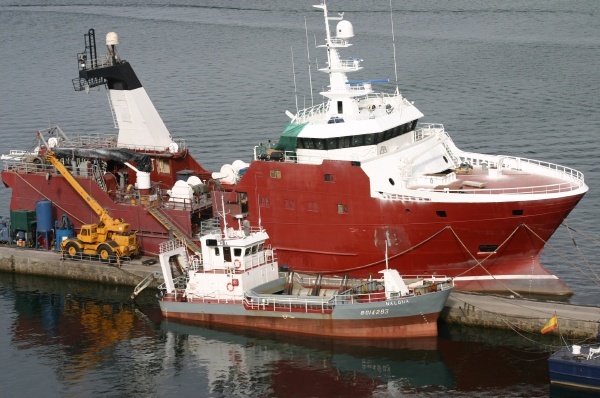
<point>112,39</point>
<point>344,30</point>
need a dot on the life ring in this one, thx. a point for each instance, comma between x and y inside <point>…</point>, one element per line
<point>230,287</point>
<point>237,264</point>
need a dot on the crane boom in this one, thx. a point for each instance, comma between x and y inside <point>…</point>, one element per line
<point>116,224</point>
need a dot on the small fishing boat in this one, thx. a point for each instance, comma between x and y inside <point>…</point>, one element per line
<point>237,281</point>
<point>576,367</point>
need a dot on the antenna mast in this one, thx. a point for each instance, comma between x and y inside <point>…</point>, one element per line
<point>294,73</point>
<point>394,46</point>
<point>309,72</point>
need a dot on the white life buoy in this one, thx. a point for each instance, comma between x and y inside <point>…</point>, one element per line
<point>230,287</point>
<point>237,264</point>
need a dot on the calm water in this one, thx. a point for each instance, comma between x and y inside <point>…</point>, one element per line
<point>512,77</point>
<point>61,338</point>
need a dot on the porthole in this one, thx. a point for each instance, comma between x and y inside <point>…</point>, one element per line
<point>392,181</point>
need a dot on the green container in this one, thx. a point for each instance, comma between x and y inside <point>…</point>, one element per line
<point>22,220</point>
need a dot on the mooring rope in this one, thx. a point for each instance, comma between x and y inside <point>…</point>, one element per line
<point>596,281</point>
<point>479,263</point>
<point>579,250</point>
<point>383,259</point>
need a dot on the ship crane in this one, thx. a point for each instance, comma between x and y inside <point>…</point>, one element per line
<point>110,238</point>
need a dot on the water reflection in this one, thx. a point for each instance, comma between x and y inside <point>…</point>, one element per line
<point>87,339</point>
<point>297,366</point>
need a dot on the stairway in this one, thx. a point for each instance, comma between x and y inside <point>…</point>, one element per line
<point>178,233</point>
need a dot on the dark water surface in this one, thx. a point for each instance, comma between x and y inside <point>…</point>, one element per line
<point>62,338</point>
<point>513,77</point>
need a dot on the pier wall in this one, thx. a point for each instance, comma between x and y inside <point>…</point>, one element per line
<point>497,312</point>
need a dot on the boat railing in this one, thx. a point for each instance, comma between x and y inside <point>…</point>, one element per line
<point>100,62</point>
<point>98,140</point>
<point>303,115</point>
<point>330,297</point>
<point>350,64</point>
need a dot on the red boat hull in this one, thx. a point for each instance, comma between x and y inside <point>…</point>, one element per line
<point>28,189</point>
<point>335,226</point>
<point>389,328</point>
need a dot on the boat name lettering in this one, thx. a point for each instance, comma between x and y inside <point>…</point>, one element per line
<point>381,311</point>
<point>397,302</point>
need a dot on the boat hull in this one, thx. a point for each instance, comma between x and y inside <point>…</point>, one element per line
<point>29,188</point>
<point>340,228</point>
<point>401,318</point>
<point>571,370</point>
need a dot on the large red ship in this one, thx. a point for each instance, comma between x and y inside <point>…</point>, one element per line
<point>347,179</point>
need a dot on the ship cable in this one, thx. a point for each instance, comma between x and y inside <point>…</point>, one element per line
<point>55,204</point>
<point>579,250</point>
<point>596,281</point>
<point>383,260</point>
<point>479,263</point>
<point>468,311</point>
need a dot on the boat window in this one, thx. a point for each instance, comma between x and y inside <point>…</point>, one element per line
<point>227,253</point>
<point>332,143</point>
<point>344,142</point>
<point>261,247</point>
<point>488,248</point>
<point>440,213</point>
<point>329,177</point>
<point>217,253</point>
<point>254,249</point>
<point>342,208</point>
<point>247,252</point>
<point>358,140</point>
<point>237,252</point>
<point>517,212</point>
<point>340,107</point>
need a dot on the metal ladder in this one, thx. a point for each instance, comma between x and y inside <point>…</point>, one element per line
<point>98,172</point>
<point>171,227</point>
<point>112,110</point>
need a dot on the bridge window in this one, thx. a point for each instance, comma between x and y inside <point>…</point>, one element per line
<point>237,252</point>
<point>355,140</point>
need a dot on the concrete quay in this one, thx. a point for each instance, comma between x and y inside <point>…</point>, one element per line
<point>488,311</point>
<point>522,315</point>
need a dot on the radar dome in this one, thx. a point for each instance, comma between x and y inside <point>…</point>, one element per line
<point>344,30</point>
<point>112,39</point>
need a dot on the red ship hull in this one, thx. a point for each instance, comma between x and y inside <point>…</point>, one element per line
<point>29,188</point>
<point>337,227</point>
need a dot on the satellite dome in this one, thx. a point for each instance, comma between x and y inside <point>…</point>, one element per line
<point>112,39</point>
<point>344,30</point>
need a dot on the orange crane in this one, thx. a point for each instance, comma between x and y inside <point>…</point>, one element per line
<point>110,238</point>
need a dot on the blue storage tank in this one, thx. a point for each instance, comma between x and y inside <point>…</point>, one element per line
<point>43,212</point>
<point>62,234</point>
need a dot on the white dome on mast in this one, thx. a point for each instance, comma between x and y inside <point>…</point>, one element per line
<point>344,30</point>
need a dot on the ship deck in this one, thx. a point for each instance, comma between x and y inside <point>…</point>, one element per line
<point>481,180</point>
